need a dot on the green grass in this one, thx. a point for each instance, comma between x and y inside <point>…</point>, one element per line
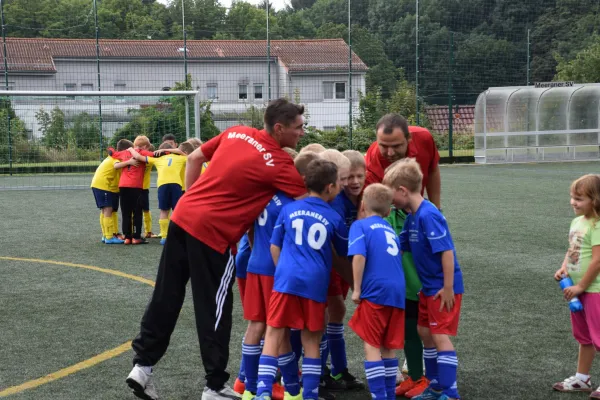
<point>509,223</point>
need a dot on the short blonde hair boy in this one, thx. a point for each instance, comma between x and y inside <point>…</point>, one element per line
<point>357,160</point>
<point>141,141</point>
<point>340,160</point>
<point>187,147</point>
<point>377,198</point>
<point>405,172</point>
<point>293,153</point>
<point>314,147</point>
<point>195,142</point>
<point>303,159</point>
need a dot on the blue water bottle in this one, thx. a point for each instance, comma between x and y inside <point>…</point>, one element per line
<point>574,305</point>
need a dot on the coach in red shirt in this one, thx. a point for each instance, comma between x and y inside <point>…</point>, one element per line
<point>247,167</point>
<point>396,140</point>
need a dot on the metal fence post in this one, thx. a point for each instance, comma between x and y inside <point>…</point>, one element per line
<point>6,83</point>
<point>417,62</point>
<point>450,95</point>
<point>268,54</point>
<point>528,57</point>
<point>98,72</point>
<point>350,99</point>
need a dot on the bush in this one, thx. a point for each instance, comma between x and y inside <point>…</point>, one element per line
<point>459,141</point>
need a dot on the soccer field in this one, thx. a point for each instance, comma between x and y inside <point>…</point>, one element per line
<point>69,322</point>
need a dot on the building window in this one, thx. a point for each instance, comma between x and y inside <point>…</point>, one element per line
<point>119,87</point>
<point>87,87</point>
<point>334,90</point>
<point>243,92</point>
<point>211,91</point>
<point>258,92</point>
<point>70,87</point>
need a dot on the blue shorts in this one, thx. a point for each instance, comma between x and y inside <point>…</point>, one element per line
<point>106,199</point>
<point>145,200</point>
<point>168,196</point>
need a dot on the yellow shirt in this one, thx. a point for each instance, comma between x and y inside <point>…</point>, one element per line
<point>106,176</point>
<point>147,174</point>
<point>169,168</point>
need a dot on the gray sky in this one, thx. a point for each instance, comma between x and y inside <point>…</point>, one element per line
<point>277,4</point>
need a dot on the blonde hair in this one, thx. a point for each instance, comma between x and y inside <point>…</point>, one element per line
<point>141,141</point>
<point>165,145</point>
<point>357,160</point>
<point>186,147</point>
<point>340,160</point>
<point>589,186</point>
<point>303,159</point>
<point>314,147</point>
<point>378,199</point>
<point>405,172</point>
<point>195,142</point>
<point>293,153</point>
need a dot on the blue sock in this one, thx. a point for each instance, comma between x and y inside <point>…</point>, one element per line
<point>289,372</point>
<point>324,353</point>
<point>391,370</point>
<point>311,375</point>
<point>337,348</point>
<point>267,370</point>
<point>251,358</point>
<point>431,367</point>
<point>375,372</point>
<point>296,341</point>
<point>447,366</point>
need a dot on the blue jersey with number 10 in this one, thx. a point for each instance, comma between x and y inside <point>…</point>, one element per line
<point>305,231</point>
<point>383,279</point>
<point>261,261</point>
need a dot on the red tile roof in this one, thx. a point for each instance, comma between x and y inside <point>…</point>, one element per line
<point>38,54</point>
<point>464,118</point>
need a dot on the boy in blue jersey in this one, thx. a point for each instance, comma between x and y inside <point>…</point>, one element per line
<point>379,290</point>
<point>426,235</point>
<point>261,270</point>
<point>241,263</point>
<point>301,247</point>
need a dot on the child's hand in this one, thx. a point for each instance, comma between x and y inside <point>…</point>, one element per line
<point>558,275</point>
<point>573,291</point>
<point>356,296</point>
<point>447,296</point>
<point>133,162</point>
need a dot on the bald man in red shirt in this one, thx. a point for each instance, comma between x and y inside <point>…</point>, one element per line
<point>397,140</point>
<point>247,167</point>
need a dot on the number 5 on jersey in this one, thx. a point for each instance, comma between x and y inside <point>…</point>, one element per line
<point>316,236</point>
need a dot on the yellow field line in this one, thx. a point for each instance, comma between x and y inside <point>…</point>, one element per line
<point>90,362</point>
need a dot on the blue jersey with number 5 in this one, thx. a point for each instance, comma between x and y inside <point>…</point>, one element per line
<point>383,278</point>
<point>305,231</point>
<point>261,261</point>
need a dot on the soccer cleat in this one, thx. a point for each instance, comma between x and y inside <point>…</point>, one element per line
<point>595,394</point>
<point>139,241</point>
<point>325,394</point>
<point>247,395</point>
<point>127,241</point>
<point>445,397</point>
<point>239,386</point>
<point>277,391</point>
<point>405,368</point>
<point>573,384</point>
<point>329,383</point>
<point>420,386</point>
<point>428,394</point>
<point>350,380</point>
<point>263,397</point>
<point>113,240</point>
<point>142,384</point>
<point>163,241</point>
<point>405,386</point>
<point>225,393</point>
<point>103,239</point>
<point>287,396</point>
<point>120,236</point>
<point>150,235</point>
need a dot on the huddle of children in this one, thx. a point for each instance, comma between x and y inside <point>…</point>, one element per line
<point>123,178</point>
<point>292,269</point>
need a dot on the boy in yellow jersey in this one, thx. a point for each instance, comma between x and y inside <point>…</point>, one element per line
<point>169,181</point>
<point>105,186</point>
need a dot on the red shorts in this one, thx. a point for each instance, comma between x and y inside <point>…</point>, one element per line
<point>295,312</point>
<point>242,286</point>
<point>258,288</point>
<point>439,323</point>
<point>379,326</point>
<point>586,323</point>
<point>337,285</point>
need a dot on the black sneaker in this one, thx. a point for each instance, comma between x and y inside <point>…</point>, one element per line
<point>352,383</point>
<point>325,394</point>
<point>328,383</point>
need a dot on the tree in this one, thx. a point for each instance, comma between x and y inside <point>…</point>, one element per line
<point>584,68</point>
<point>52,126</point>
<point>301,4</point>
<point>85,131</point>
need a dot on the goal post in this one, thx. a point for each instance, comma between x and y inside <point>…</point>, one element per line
<point>50,139</point>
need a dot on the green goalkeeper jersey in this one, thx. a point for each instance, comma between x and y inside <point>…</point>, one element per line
<point>413,283</point>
